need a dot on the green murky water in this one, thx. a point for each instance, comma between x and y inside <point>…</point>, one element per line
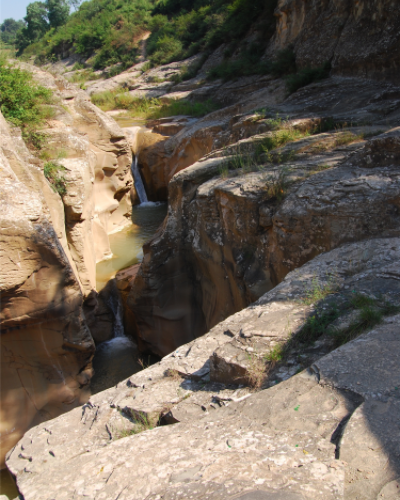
<point>126,245</point>
<point>7,485</point>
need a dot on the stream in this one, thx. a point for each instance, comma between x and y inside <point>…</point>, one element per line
<point>126,245</point>
<point>117,359</point>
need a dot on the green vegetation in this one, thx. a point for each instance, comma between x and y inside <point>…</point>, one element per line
<point>319,291</point>
<point>181,28</point>
<point>40,18</point>
<point>142,107</point>
<point>9,29</point>
<point>363,312</point>
<point>141,423</point>
<point>53,171</point>
<point>276,354</point>
<point>306,76</point>
<point>249,63</point>
<point>83,76</point>
<point>23,102</point>
<point>109,33</point>
<point>370,313</point>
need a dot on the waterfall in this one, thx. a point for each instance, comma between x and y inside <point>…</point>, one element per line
<point>115,304</point>
<point>138,181</point>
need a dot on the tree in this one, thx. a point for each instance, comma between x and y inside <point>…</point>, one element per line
<point>57,12</point>
<point>9,29</point>
<point>75,4</point>
<point>36,25</point>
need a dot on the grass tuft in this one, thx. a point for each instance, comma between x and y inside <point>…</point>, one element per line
<point>256,371</point>
<point>141,423</point>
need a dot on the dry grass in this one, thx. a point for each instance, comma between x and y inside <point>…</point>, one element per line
<point>256,371</point>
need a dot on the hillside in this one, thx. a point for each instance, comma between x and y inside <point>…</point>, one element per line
<point>103,33</point>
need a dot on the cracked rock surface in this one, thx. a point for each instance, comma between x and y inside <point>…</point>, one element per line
<point>327,429</point>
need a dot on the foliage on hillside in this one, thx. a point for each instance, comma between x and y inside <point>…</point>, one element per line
<point>109,31</point>
<point>8,30</point>
<point>181,28</point>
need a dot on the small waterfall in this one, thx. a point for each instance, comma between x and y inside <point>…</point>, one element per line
<point>115,304</point>
<point>138,181</point>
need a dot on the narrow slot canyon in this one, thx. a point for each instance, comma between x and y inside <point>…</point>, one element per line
<point>199,262</point>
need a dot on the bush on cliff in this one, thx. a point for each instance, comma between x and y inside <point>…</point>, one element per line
<point>22,101</point>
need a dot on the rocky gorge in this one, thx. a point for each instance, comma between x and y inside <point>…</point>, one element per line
<point>268,299</point>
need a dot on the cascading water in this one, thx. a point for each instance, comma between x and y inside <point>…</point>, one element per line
<point>117,359</point>
<point>138,181</point>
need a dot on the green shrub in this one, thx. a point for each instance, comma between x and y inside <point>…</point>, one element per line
<point>22,101</point>
<point>53,172</point>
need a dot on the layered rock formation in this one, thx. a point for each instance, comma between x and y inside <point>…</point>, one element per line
<point>46,347</point>
<point>326,427</point>
<point>359,38</point>
<point>50,244</point>
<point>226,241</point>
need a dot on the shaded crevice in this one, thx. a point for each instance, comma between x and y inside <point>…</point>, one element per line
<point>353,401</point>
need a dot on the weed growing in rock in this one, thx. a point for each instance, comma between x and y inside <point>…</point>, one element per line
<point>317,325</point>
<point>276,353</point>
<point>83,76</point>
<point>141,423</point>
<point>173,374</point>
<point>53,172</point>
<point>364,313</point>
<point>370,313</point>
<point>278,184</point>
<point>319,291</point>
<point>256,371</point>
<point>347,137</point>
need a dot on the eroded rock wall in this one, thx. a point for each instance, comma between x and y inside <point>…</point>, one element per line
<point>46,346</point>
<point>98,177</point>
<point>50,246</point>
<point>359,38</point>
<point>226,241</point>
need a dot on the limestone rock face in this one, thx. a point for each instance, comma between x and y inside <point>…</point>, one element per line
<point>359,38</point>
<point>46,347</point>
<point>325,427</point>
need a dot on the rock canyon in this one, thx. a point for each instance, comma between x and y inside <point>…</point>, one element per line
<point>256,301</point>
